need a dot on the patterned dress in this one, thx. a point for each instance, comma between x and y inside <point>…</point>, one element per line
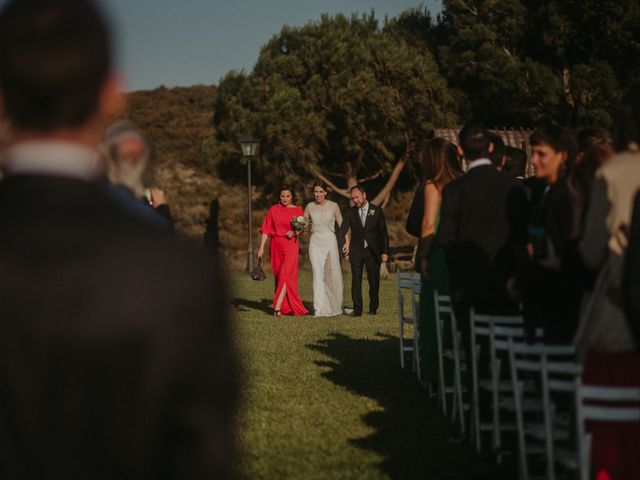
<point>325,258</point>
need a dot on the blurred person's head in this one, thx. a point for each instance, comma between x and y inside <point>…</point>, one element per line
<point>358,196</point>
<point>475,142</point>
<point>127,156</point>
<point>552,150</point>
<point>627,122</point>
<point>593,137</point>
<point>497,154</point>
<point>55,69</point>
<point>440,161</point>
<point>590,137</point>
<point>515,161</point>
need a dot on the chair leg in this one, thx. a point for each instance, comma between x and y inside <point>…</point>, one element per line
<point>549,416</point>
<point>475,407</point>
<point>416,348</point>
<point>401,347</point>
<point>495,397</point>
<point>442,386</point>
<point>458,381</point>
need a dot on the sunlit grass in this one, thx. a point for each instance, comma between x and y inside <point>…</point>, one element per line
<point>325,398</point>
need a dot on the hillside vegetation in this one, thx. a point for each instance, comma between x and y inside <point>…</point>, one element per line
<point>178,121</point>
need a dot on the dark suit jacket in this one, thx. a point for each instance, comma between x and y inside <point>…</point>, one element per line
<point>631,280</point>
<point>374,232</point>
<point>116,358</point>
<point>482,219</point>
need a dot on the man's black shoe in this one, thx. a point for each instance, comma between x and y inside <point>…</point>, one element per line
<point>356,314</point>
<point>373,311</point>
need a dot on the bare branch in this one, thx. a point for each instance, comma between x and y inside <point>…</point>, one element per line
<point>393,178</point>
<point>372,177</point>
<point>341,191</point>
<point>384,202</point>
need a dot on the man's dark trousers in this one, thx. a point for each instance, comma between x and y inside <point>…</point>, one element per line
<point>369,260</point>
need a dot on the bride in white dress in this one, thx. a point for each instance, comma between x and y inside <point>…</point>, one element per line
<point>324,253</point>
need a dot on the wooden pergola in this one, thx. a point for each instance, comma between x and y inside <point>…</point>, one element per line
<point>514,137</point>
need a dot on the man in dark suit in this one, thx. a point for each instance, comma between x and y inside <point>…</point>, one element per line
<point>368,247</point>
<point>631,280</point>
<point>116,357</point>
<point>481,222</point>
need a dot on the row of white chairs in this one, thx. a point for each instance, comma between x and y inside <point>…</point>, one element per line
<point>525,379</point>
<point>528,389</point>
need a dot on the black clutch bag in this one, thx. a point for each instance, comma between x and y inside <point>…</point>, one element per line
<point>258,272</point>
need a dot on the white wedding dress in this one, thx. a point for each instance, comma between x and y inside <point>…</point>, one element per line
<point>325,258</point>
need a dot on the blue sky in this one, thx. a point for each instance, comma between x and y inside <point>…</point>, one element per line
<point>187,42</point>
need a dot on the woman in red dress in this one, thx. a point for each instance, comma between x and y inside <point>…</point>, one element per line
<point>284,254</point>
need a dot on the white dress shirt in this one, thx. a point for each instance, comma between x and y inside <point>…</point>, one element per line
<point>479,162</point>
<point>52,158</point>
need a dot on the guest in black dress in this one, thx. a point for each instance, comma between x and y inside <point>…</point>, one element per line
<point>549,277</point>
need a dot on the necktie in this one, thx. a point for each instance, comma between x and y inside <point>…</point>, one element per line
<point>363,218</point>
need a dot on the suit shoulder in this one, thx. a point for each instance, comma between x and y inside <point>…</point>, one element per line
<point>454,185</point>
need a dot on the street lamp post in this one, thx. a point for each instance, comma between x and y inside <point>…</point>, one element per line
<point>249,146</point>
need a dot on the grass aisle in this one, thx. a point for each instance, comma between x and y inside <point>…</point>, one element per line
<point>325,398</point>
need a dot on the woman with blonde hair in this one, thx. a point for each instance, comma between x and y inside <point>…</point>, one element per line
<point>441,164</point>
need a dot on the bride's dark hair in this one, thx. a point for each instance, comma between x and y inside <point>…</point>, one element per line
<point>321,184</point>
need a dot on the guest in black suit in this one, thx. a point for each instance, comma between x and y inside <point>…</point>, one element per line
<point>481,222</point>
<point>631,280</point>
<point>116,357</point>
<point>369,247</point>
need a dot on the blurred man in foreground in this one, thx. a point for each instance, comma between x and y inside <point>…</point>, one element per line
<point>116,359</point>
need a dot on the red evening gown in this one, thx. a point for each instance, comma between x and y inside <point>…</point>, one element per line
<point>284,257</point>
<point>614,447</point>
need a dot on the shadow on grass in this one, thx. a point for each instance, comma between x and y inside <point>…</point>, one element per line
<point>410,432</point>
<point>244,305</point>
<point>263,305</point>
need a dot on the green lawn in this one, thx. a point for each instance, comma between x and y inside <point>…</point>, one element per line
<point>326,398</point>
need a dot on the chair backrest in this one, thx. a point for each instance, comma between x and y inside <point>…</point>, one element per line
<point>408,282</point>
<point>442,303</point>
<point>554,368</point>
<point>614,404</point>
<point>482,324</point>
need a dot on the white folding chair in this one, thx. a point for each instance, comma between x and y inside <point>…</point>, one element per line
<point>409,285</point>
<point>614,404</point>
<point>480,327</point>
<point>444,315</point>
<point>554,369</point>
<point>502,392</point>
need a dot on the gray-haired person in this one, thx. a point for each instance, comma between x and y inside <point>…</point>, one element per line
<point>127,154</point>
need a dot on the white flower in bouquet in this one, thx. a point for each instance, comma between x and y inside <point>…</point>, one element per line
<point>301,224</point>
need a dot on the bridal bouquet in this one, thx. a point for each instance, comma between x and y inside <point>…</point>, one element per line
<point>301,224</point>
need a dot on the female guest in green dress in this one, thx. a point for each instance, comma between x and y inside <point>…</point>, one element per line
<point>441,164</point>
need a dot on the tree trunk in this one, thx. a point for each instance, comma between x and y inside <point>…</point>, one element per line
<point>393,179</point>
<point>566,88</point>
